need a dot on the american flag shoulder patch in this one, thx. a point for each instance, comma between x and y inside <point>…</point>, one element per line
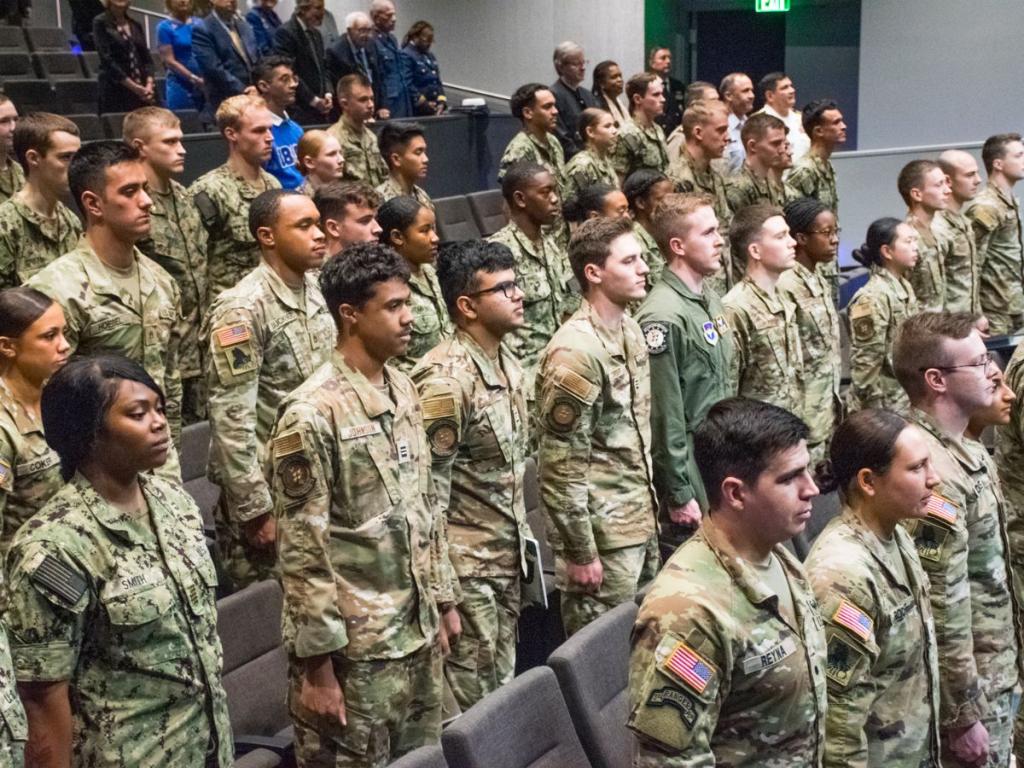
<point>854,619</point>
<point>687,665</point>
<point>942,508</point>
<point>233,334</point>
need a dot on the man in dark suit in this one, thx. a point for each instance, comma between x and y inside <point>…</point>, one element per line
<point>354,53</point>
<point>570,98</point>
<point>299,39</point>
<point>226,50</point>
<point>660,63</point>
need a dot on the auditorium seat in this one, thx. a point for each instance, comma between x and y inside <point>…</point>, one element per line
<point>424,757</point>
<point>256,669</point>
<point>488,211</point>
<point>113,124</point>
<point>195,456</point>
<point>16,66</point>
<point>823,508</point>
<point>160,83</point>
<point>455,219</point>
<point>12,40</point>
<point>47,39</point>
<point>190,121</point>
<point>596,694</point>
<point>29,95</point>
<point>77,97</point>
<point>524,724</point>
<point>90,129</point>
<point>90,63</point>
<point>58,65</point>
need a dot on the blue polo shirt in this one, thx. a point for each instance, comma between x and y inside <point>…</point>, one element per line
<point>284,158</point>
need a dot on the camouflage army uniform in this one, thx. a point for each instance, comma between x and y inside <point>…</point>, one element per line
<point>883,677</point>
<point>430,320</point>
<point>876,313</point>
<point>929,274</point>
<point>747,188</point>
<point>264,341</point>
<point>543,273</point>
<point>691,350</point>
<point>651,254</point>
<point>963,550</point>
<point>29,241</point>
<point>814,176</point>
<point>363,161</point>
<point>525,146</point>
<point>995,217</point>
<point>961,266</point>
<point>12,178</point>
<point>391,188</point>
<point>122,608</point>
<point>594,460</point>
<point>586,169</point>
<point>177,242</point>
<point>29,468</point>
<point>817,322</point>
<point>474,413</point>
<point>363,561</point>
<point>755,694</point>
<point>223,198</point>
<point>101,318</point>
<point>769,360</point>
<point>14,728</point>
<point>689,178</point>
<point>639,147</point>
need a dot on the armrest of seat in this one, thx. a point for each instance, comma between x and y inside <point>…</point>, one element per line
<point>279,745</point>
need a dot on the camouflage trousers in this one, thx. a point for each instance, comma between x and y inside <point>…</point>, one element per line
<point>241,562</point>
<point>484,656</point>
<point>392,706</point>
<point>1001,323</point>
<point>626,571</point>
<point>999,723</point>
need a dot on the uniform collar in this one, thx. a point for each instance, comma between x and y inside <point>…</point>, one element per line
<point>112,518</point>
<point>311,301</point>
<point>772,301</point>
<point>956,447</point>
<point>21,418</point>
<point>870,541</point>
<point>614,345</point>
<point>99,277</point>
<point>374,404</point>
<point>488,367</point>
<point>673,281</point>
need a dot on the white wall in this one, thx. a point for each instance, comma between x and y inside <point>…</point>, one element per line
<point>939,71</point>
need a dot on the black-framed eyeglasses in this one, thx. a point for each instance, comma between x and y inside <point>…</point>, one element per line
<point>834,232</point>
<point>508,287</point>
<point>985,363</point>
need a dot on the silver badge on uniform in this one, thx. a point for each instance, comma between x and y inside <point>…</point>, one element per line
<point>403,451</point>
<point>710,334</point>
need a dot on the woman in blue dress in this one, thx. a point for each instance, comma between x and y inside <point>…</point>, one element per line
<point>174,42</point>
<point>422,71</point>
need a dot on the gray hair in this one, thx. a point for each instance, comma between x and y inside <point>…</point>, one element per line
<point>355,16</point>
<point>729,81</point>
<point>381,5</point>
<point>565,50</point>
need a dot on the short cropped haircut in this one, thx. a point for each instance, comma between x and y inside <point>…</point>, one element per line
<point>77,399</point>
<point>332,199</point>
<point>638,85</point>
<point>729,82</point>
<point>230,111</point>
<point>88,169</point>
<point>814,114</point>
<point>35,131</point>
<point>912,177</point>
<point>519,176</point>
<point>994,148</point>
<point>351,276</point>
<point>264,209</point>
<point>591,243</point>
<point>397,214</point>
<point>669,217</point>
<point>525,96</point>
<point>770,82</point>
<point>264,68</point>
<point>348,82</point>
<point>140,123</point>
<point>396,137</point>
<point>758,125</point>
<point>459,265</point>
<point>701,112</point>
<point>564,50</point>
<point>921,344</point>
<point>695,92</point>
<point>739,438</point>
<point>747,226</point>
<point>19,308</point>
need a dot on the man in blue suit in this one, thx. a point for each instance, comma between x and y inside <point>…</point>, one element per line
<point>395,88</point>
<point>226,50</point>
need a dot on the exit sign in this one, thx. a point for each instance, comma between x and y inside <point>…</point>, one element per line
<point>771,6</point>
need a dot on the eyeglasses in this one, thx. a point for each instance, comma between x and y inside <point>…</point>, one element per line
<point>829,233</point>
<point>985,363</point>
<point>509,288</point>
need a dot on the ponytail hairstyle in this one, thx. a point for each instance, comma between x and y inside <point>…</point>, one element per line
<point>880,232</point>
<point>19,308</point>
<point>866,440</point>
<point>587,201</point>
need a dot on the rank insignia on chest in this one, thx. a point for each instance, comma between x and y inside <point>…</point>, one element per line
<point>710,334</point>
<point>854,619</point>
<point>689,667</point>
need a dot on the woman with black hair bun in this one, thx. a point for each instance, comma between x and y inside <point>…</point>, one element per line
<point>593,163</point>
<point>876,311</point>
<point>882,671</point>
<point>644,189</point>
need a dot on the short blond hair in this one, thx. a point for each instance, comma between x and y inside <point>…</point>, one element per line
<point>230,111</point>
<point>700,112</point>
<point>668,218</point>
<point>140,123</point>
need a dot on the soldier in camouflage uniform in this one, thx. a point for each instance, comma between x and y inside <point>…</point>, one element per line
<point>109,603</point>
<point>177,241</point>
<point>362,548</point>
<point>533,105</point>
<point>348,214</point>
<point>641,142</point>
<point>542,268</point>
<point>727,666</point>
<point>942,363</point>
<point>408,227</point>
<point>882,669</point>
<point>592,164</point>
<point>223,195</point>
<point>593,412</point>
<point>691,351</point>
<point>35,226</point>
<point>363,161</point>
<point>769,360</point>
<point>404,150</point>
<point>12,175</point>
<point>924,187</point>
<point>474,414</point>
<point>767,153</point>
<point>706,127</point>
<point>33,324</point>
<point>813,226</point>
<point>114,298</point>
<point>995,217</point>
<point>962,266</point>
<point>14,730</point>
<point>813,175</point>
<point>876,312</point>
<point>644,189</point>
<point>266,336</point>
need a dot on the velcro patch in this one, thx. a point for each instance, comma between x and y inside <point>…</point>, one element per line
<point>656,337</point>
<point>929,538</point>
<point>863,328</point>
<point>578,386</point>
<point>761,661</point>
<point>563,414</point>
<point>986,218</point>
<point>691,668</point>
<point>5,471</point>
<point>60,579</point>
<point>861,309</point>
<point>296,475</point>
<point>233,334</point>
<point>679,700</point>
<point>240,358</point>
<point>289,442</point>
<point>360,430</point>
<point>842,660</point>
<point>443,437</point>
<point>941,508</point>
<point>438,407</point>
<point>854,619</point>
